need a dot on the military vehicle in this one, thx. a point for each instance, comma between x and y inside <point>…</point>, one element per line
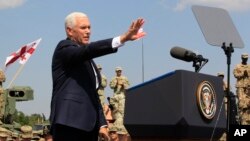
<point>8,99</point>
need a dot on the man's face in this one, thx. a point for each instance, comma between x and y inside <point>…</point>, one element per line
<point>222,76</point>
<point>244,60</point>
<point>80,33</point>
<point>118,73</point>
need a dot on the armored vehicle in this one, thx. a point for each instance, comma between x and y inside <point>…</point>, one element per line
<point>8,99</point>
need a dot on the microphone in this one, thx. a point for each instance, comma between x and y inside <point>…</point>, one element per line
<point>186,55</point>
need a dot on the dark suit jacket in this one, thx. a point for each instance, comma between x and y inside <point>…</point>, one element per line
<point>75,101</point>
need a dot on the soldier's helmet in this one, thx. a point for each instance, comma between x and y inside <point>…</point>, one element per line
<point>118,69</point>
<point>99,66</point>
<point>26,131</point>
<point>4,132</point>
<point>220,74</point>
<point>244,55</point>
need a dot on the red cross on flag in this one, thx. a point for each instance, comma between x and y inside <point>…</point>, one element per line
<point>23,53</point>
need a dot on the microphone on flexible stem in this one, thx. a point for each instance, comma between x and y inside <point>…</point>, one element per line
<point>186,55</point>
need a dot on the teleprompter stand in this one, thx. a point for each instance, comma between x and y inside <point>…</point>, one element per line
<point>219,30</point>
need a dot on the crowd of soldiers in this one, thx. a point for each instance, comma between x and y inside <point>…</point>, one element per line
<point>25,134</point>
<point>115,111</point>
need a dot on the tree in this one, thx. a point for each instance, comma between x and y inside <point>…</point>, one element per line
<point>21,118</point>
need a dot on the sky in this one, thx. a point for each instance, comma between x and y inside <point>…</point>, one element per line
<point>168,23</point>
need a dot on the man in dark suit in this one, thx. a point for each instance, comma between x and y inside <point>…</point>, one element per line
<point>76,112</point>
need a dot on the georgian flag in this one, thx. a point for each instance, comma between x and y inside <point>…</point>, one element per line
<point>23,53</point>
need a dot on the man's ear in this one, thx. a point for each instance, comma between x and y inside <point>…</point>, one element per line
<point>69,31</point>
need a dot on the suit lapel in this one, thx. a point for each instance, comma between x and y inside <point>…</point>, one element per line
<point>97,72</point>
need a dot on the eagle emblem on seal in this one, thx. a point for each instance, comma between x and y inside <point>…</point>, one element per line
<point>206,99</point>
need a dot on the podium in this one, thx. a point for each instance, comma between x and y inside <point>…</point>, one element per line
<point>170,108</point>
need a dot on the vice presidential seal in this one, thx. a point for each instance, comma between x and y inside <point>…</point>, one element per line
<point>206,99</point>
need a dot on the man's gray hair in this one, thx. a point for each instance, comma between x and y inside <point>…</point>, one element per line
<point>70,19</point>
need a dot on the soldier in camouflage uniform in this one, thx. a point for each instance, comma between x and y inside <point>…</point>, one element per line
<point>242,74</point>
<point>221,74</point>
<point>26,133</point>
<point>119,84</point>
<point>101,92</point>
<point>102,87</point>
<point>2,103</point>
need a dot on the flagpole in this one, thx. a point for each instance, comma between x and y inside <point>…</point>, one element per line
<point>15,76</point>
